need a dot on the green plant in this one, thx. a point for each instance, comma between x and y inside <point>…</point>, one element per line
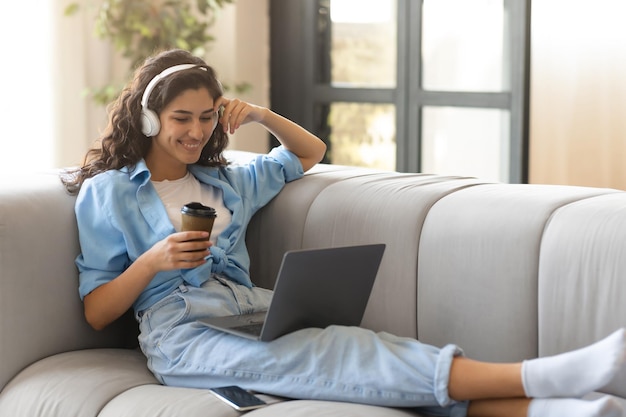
<point>138,28</point>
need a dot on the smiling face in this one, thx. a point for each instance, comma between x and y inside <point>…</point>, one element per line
<point>187,123</point>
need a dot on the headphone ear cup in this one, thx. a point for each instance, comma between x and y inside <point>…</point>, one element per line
<point>150,124</point>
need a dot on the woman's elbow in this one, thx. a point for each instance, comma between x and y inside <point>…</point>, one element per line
<point>94,316</point>
<point>321,150</point>
<point>95,322</point>
<point>316,156</point>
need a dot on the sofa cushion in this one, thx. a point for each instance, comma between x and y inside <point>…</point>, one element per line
<point>162,401</point>
<point>74,384</point>
<point>116,383</point>
<point>581,278</point>
<point>287,213</point>
<point>388,208</point>
<point>478,263</point>
<point>158,400</point>
<point>302,408</point>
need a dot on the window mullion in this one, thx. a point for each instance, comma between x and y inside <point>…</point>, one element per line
<point>414,105</point>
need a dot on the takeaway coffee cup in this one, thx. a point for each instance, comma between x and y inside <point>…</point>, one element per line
<point>196,217</point>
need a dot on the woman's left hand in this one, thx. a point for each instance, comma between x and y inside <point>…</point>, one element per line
<point>302,143</point>
<point>236,112</point>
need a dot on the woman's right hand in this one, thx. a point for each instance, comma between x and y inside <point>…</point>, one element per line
<point>179,250</point>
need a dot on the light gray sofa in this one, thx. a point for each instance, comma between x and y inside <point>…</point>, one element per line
<point>508,272</point>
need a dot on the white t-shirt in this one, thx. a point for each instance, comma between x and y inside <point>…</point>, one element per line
<point>175,194</point>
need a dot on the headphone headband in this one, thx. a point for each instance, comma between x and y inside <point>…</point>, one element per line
<point>150,124</point>
<point>159,77</point>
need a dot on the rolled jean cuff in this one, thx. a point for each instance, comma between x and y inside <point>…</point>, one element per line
<point>442,374</point>
<point>459,409</point>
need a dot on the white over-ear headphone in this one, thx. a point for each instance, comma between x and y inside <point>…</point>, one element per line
<point>150,124</point>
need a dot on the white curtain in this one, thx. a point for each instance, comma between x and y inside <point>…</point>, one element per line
<point>79,60</point>
<point>26,102</point>
<point>578,93</point>
<point>48,60</point>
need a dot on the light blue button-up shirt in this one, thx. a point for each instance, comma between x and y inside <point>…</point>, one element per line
<point>120,216</point>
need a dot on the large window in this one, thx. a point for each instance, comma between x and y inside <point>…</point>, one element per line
<point>433,85</point>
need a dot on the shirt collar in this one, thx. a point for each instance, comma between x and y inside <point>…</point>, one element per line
<point>139,170</point>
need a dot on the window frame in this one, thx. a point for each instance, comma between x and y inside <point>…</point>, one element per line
<point>298,65</point>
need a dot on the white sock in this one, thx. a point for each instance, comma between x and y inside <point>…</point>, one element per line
<point>569,407</point>
<point>575,373</point>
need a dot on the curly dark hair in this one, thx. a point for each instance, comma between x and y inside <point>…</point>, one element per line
<point>123,143</point>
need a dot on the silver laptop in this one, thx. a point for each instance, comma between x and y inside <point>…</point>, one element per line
<point>314,288</point>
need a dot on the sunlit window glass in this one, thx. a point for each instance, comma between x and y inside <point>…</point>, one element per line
<point>463,45</point>
<point>363,135</point>
<point>363,43</point>
<point>466,141</point>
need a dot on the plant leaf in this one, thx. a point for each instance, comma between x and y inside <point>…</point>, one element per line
<point>137,28</point>
<point>71,9</point>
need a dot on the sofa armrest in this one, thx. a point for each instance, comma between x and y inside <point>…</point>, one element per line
<point>40,311</point>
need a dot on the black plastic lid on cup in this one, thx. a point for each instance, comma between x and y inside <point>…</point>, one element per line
<point>198,209</point>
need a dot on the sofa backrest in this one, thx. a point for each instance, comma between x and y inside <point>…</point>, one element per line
<point>506,271</point>
<point>480,257</point>
<point>40,311</point>
<point>335,206</point>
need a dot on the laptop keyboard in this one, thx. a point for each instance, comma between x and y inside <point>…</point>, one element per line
<point>253,329</point>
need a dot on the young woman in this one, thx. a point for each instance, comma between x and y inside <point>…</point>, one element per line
<point>163,148</point>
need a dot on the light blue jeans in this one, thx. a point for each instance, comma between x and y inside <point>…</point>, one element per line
<point>338,363</point>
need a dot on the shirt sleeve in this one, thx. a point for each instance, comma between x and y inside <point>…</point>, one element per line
<point>262,178</point>
<point>292,167</point>
<point>103,254</point>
